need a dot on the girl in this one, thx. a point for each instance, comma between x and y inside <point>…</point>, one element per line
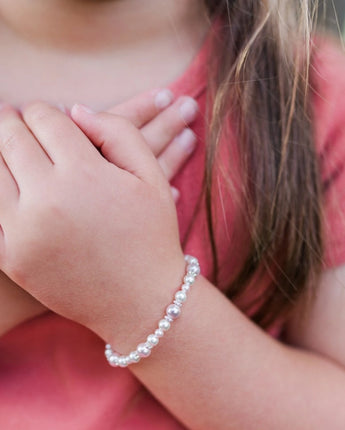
<point>96,240</point>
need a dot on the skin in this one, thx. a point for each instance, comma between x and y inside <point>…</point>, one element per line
<point>255,381</point>
<point>45,59</point>
<point>165,132</point>
<point>159,126</point>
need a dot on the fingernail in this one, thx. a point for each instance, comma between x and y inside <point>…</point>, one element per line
<point>187,140</point>
<point>175,193</point>
<point>83,108</point>
<point>163,99</point>
<point>189,110</point>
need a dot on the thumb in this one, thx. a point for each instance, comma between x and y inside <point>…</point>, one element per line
<point>119,141</point>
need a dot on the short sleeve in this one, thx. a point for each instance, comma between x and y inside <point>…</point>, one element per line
<point>328,78</point>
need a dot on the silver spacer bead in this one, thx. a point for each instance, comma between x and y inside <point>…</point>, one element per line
<point>168,318</point>
<point>177,303</point>
<point>148,345</point>
<point>185,288</point>
<point>159,332</point>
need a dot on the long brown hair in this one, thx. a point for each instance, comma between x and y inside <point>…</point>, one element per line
<point>263,76</point>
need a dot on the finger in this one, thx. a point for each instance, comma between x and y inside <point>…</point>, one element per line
<point>9,193</point>
<point>176,154</point>
<point>9,190</point>
<point>120,142</point>
<point>57,133</point>
<point>161,130</point>
<point>175,193</point>
<point>23,155</point>
<point>144,107</point>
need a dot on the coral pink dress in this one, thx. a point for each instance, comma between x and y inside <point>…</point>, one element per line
<point>53,374</point>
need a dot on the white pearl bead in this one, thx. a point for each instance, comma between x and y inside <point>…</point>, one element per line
<point>143,350</point>
<point>108,353</point>
<point>181,296</point>
<point>164,325</point>
<point>113,360</point>
<point>152,339</point>
<point>191,260</point>
<point>173,311</point>
<point>188,279</point>
<point>123,361</point>
<point>134,357</point>
<point>193,270</point>
<point>159,332</point>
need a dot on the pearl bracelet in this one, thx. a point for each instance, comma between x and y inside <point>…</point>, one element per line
<point>173,311</point>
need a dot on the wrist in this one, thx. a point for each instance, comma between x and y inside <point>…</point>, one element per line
<point>140,310</point>
<point>168,315</point>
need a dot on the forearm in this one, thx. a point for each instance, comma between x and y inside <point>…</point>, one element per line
<point>216,369</point>
<point>16,305</point>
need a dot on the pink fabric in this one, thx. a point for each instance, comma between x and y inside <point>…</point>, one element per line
<point>329,112</point>
<point>52,371</point>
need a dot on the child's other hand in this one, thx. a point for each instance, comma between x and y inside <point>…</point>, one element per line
<point>16,305</point>
<point>164,125</point>
<point>94,241</point>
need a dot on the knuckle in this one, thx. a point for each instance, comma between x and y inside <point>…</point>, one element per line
<point>12,138</point>
<point>139,113</point>
<point>9,140</point>
<point>122,123</point>
<point>120,128</point>
<point>37,112</point>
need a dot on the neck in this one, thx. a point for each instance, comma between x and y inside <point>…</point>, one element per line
<point>79,25</point>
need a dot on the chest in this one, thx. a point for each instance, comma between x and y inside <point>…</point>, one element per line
<point>99,80</point>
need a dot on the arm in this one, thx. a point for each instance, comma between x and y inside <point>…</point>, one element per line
<point>322,329</point>
<point>214,369</point>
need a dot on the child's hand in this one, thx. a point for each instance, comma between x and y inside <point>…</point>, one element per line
<point>93,241</point>
<point>163,125</point>
<point>16,305</point>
